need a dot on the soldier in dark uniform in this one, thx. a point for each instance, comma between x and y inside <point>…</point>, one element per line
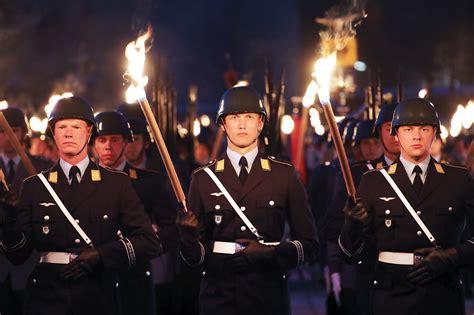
<point>382,129</point>
<point>417,268</point>
<point>74,275</point>
<point>13,278</point>
<point>137,289</point>
<point>244,269</point>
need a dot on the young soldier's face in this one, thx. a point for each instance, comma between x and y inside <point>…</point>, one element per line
<point>71,136</point>
<point>242,130</point>
<point>391,144</point>
<point>415,141</point>
<point>370,149</point>
<point>135,151</point>
<point>5,144</point>
<point>110,149</point>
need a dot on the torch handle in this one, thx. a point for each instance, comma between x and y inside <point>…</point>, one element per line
<point>160,143</point>
<point>217,144</point>
<point>17,145</point>
<point>299,165</point>
<point>341,153</point>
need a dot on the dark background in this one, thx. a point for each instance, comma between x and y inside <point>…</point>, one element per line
<point>53,46</point>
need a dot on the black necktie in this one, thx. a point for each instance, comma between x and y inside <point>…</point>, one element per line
<point>418,183</point>
<point>243,169</point>
<point>73,177</point>
<point>11,171</point>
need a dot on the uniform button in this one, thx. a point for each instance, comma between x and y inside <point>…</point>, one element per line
<point>242,208</point>
<point>116,284</point>
<point>148,273</point>
<point>450,209</point>
<point>46,217</point>
<point>217,207</point>
<point>284,276</point>
<point>77,221</point>
<point>418,213</point>
<point>203,273</point>
<point>387,212</point>
<point>34,280</point>
<point>375,282</point>
<point>419,233</point>
<point>271,202</point>
<point>77,241</point>
<point>243,228</point>
<point>106,217</point>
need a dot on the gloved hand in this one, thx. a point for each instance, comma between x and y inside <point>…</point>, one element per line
<point>336,286</point>
<point>435,263</point>
<point>86,263</point>
<point>355,211</point>
<point>187,224</point>
<point>254,253</point>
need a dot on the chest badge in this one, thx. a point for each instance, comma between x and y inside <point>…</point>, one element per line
<point>218,218</point>
<point>386,198</point>
<point>388,223</point>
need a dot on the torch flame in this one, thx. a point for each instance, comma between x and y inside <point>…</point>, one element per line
<point>323,69</point>
<point>310,95</point>
<point>135,53</point>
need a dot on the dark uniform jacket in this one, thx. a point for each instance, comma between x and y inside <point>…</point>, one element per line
<point>444,205</point>
<point>271,196</point>
<point>103,203</point>
<point>137,289</point>
<point>18,274</point>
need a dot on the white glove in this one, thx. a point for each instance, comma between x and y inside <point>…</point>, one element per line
<point>336,286</point>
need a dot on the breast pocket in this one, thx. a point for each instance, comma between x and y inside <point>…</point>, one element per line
<point>45,223</point>
<point>271,214</point>
<point>104,224</point>
<point>387,217</point>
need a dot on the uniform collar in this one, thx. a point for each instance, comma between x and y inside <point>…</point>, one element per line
<point>121,167</point>
<point>82,165</point>
<point>234,158</point>
<point>409,166</point>
<point>6,159</point>
<point>387,160</point>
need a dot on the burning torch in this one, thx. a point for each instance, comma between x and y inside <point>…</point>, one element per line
<point>135,53</point>
<point>322,76</point>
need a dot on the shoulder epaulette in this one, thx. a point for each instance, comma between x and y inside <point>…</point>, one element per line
<point>210,163</point>
<point>274,159</point>
<point>450,165</point>
<point>111,170</point>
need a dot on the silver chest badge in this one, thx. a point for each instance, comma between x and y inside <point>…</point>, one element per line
<point>388,222</point>
<point>45,229</point>
<point>218,218</point>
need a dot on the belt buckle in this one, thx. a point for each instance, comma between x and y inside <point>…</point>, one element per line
<point>239,247</point>
<point>417,259</point>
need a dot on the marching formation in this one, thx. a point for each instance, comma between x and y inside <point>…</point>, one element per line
<point>99,230</point>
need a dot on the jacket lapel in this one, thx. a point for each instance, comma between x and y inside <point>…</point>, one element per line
<point>403,182</point>
<point>87,186</point>
<point>433,179</point>
<point>256,176</point>
<point>229,178</point>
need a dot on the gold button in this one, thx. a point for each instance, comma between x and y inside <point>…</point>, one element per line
<point>46,218</point>
<point>77,241</point>
<point>243,228</point>
<point>217,207</point>
<point>387,212</point>
<point>271,202</point>
<point>106,217</point>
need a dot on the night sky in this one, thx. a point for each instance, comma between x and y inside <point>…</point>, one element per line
<point>52,46</point>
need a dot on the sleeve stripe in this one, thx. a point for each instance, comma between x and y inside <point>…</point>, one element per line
<point>345,251</point>
<point>299,251</point>
<point>132,259</point>
<point>18,245</point>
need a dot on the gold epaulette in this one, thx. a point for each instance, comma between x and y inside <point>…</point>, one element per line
<point>392,169</point>
<point>132,173</point>
<point>274,159</point>
<point>210,163</point>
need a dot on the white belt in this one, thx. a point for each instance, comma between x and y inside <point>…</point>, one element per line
<point>397,258</point>
<point>232,247</point>
<point>56,257</point>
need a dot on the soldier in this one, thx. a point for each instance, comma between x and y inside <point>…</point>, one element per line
<point>382,129</point>
<point>71,215</point>
<point>235,231</point>
<point>415,210</point>
<point>13,278</point>
<point>137,287</point>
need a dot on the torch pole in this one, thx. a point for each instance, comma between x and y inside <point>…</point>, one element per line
<point>341,153</point>
<point>160,143</point>
<point>17,145</point>
<point>217,143</point>
<point>300,144</point>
